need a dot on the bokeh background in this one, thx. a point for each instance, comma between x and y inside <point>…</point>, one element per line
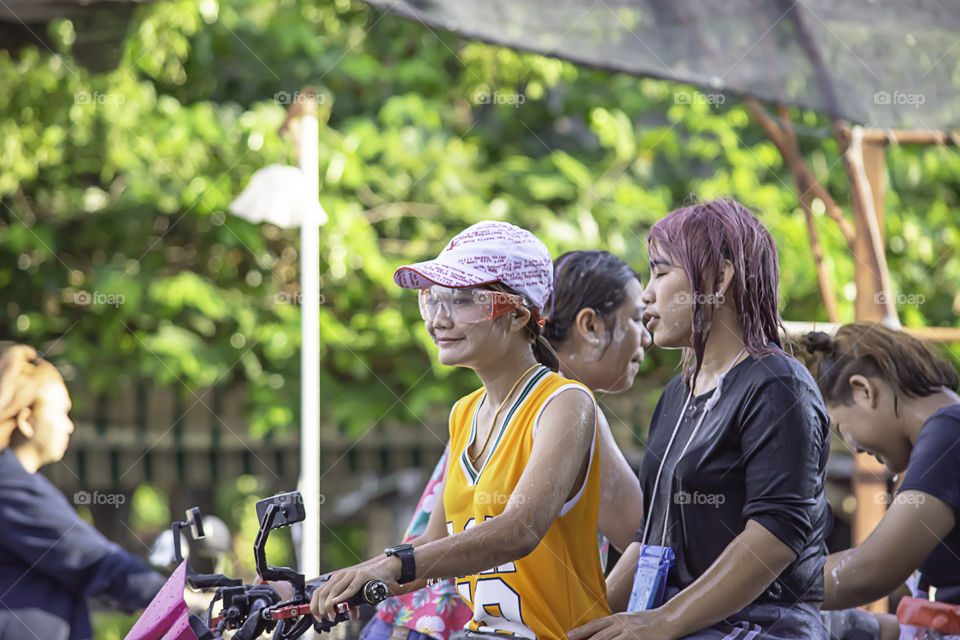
<point>125,136</point>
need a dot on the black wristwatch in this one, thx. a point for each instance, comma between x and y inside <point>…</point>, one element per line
<point>408,567</point>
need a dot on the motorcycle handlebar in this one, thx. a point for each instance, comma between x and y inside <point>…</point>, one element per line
<point>372,592</point>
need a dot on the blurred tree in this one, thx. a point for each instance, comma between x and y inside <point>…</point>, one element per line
<point>116,252</point>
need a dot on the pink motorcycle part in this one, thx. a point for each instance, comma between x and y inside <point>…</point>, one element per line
<point>167,617</point>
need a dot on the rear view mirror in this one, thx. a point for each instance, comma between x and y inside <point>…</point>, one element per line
<point>289,509</point>
<point>273,513</point>
<point>195,521</point>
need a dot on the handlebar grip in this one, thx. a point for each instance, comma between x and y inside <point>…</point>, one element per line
<point>372,592</point>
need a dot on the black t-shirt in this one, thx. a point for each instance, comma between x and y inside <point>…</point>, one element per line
<point>761,454</point>
<point>934,468</point>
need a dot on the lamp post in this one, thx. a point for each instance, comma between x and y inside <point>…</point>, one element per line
<point>288,197</point>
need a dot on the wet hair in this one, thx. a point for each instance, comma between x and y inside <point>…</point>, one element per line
<point>542,350</point>
<point>699,238</point>
<point>870,349</point>
<point>586,280</point>
<point>22,374</point>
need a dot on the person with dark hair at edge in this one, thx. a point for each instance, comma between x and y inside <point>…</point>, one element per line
<point>890,395</point>
<point>51,561</point>
<point>733,478</point>
<point>517,527</point>
<point>595,324</point>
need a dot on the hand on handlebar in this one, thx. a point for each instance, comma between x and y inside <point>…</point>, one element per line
<point>284,588</point>
<point>345,583</point>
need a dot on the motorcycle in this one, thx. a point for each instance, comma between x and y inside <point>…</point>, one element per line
<point>249,610</point>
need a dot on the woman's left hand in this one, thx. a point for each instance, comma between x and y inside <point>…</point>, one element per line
<point>346,582</point>
<point>643,625</point>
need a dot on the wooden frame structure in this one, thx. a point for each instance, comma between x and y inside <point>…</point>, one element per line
<point>864,158</point>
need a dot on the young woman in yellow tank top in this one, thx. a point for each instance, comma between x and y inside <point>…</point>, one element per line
<point>521,497</point>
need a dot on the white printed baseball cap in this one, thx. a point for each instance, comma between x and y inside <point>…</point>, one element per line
<point>484,253</point>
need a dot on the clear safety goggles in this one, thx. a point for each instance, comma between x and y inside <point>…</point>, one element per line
<point>466,305</point>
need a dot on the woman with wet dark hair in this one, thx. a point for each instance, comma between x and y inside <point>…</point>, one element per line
<point>595,325</point>
<point>595,306</point>
<point>890,395</point>
<point>733,476</point>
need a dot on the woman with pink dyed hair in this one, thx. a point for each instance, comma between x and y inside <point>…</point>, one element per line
<point>733,479</point>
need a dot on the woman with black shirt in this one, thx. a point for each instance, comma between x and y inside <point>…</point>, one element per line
<point>888,394</point>
<point>736,456</point>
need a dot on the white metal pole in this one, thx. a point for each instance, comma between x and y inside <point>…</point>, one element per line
<point>310,352</point>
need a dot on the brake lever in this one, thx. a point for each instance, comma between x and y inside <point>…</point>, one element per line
<point>323,624</point>
<point>283,612</point>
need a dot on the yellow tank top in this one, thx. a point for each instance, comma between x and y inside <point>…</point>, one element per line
<point>560,585</point>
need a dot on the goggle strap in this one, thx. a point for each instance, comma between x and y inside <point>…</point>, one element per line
<point>501,304</point>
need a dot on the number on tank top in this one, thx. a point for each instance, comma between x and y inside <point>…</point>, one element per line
<point>497,608</point>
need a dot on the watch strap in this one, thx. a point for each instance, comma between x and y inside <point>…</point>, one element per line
<point>408,567</point>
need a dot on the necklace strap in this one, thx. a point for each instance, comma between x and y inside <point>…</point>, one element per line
<point>711,403</point>
<point>493,423</point>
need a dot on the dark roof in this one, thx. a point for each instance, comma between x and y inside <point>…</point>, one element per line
<point>100,27</point>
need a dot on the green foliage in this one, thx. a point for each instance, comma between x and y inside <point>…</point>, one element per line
<point>150,509</point>
<point>116,249</point>
<point>344,545</point>
<point>110,625</point>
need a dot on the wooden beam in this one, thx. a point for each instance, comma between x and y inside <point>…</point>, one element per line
<point>827,293</point>
<point>911,136</point>
<point>939,335</point>
<point>807,182</point>
<point>935,334</point>
<point>864,162</point>
<point>866,168</point>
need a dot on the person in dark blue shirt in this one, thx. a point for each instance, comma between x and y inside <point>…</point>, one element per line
<point>890,395</point>
<point>51,561</point>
